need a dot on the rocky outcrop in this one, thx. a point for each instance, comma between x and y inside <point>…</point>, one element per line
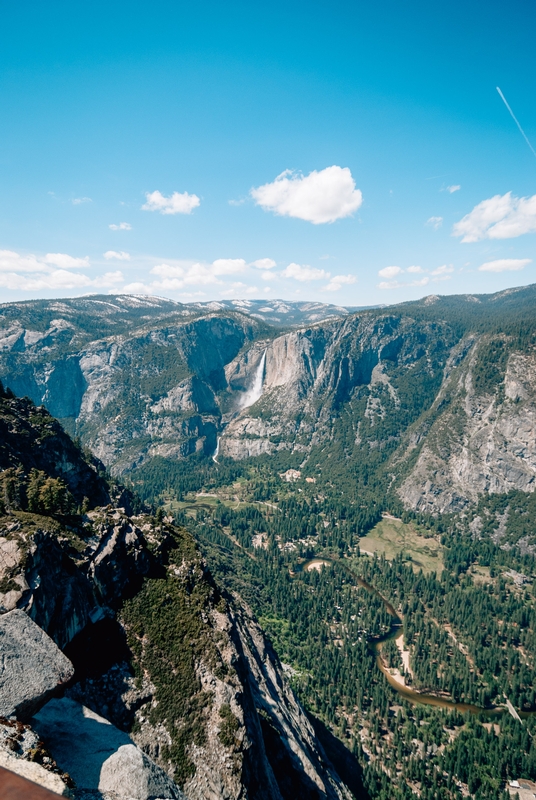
<point>18,768</point>
<point>481,442</point>
<point>24,755</point>
<point>98,756</point>
<point>32,667</point>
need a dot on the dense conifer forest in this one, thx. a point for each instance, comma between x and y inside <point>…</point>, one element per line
<point>469,627</point>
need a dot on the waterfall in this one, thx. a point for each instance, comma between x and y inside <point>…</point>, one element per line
<point>216,451</point>
<point>255,391</point>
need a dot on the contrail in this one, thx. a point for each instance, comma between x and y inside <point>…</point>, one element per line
<point>503,98</point>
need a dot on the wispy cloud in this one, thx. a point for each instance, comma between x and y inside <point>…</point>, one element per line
<point>239,289</point>
<point>119,256</point>
<point>304,273</point>
<point>338,281</point>
<point>454,188</point>
<point>176,203</point>
<point>320,197</point>
<point>392,274</point>
<point>445,269</point>
<point>175,276</point>
<point>499,217</point>
<point>65,261</point>
<point>123,226</point>
<point>264,263</point>
<point>53,271</point>
<point>77,201</point>
<point>435,222</point>
<point>505,265</point>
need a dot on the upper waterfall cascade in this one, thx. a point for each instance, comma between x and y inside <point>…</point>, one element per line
<point>255,391</point>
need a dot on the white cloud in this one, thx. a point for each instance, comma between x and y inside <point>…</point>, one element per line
<point>390,285</point>
<point>264,263</point>
<point>304,273</point>
<point>390,272</point>
<point>77,201</point>
<point>394,284</point>
<point>120,256</point>
<point>167,284</point>
<point>108,279</point>
<point>338,281</point>
<point>53,271</point>
<point>239,289</point>
<point>137,288</point>
<point>499,217</point>
<point>57,279</point>
<point>435,222</point>
<point>174,277</point>
<point>505,265</point>
<point>443,270</point>
<point>421,282</point>
<point>455,188</point>
<point>176,203</point>
<point>65,261</point>
<point>228,266</point>
<point>319,197</point>
<point>13,262</point>
<point>123,226</point>
<point>391,275</point>
<point>167,271</point>
<point>267,275</point>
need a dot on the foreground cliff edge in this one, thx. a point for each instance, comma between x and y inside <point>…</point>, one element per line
<point>166,687</point>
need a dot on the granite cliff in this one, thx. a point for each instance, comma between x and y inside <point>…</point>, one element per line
<point>157,650</point>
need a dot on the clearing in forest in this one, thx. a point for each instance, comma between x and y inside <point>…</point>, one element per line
<point>391,537</point>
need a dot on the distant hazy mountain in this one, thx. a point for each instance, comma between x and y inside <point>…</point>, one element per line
<point>279,313</point>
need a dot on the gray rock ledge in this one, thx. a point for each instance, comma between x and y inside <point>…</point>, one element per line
<point>31,666</point>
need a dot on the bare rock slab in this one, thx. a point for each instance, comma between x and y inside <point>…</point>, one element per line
<point>98,756</point>
<point>31,666</point>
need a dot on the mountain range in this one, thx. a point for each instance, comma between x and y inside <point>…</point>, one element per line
<point>433,400</point>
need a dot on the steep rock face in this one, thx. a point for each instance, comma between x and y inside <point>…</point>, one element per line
<point>292,749</point>
<point>312,375</point>
<point>130,396</point>
<point>213,708</point>
<point>482,442</point>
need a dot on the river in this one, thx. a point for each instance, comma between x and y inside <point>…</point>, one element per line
<point>376,642</point>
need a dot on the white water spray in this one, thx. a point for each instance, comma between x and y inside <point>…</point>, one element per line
<point>216,451</point>
<point>254,393</point>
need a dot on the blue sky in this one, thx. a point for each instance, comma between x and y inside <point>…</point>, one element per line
<point>354,153</point>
